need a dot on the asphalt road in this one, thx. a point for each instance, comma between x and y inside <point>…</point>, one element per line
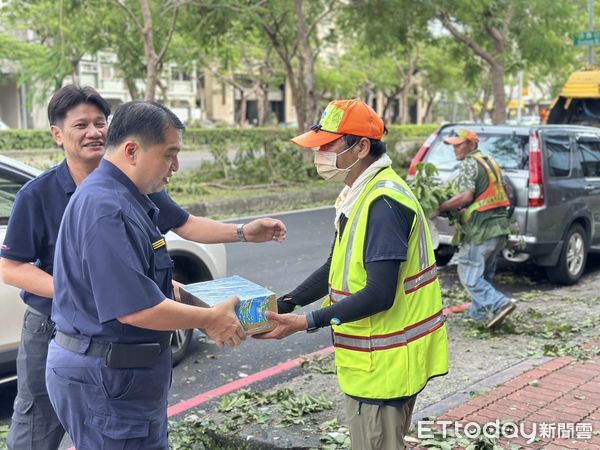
<point>279,267</point>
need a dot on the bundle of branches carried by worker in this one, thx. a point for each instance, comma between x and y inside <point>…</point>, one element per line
<point>429,189</point>
<point>431,193</point>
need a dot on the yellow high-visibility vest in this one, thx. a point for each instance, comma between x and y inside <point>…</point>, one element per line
<point>393,353</point>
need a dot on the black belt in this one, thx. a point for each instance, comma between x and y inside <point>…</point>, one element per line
<point>117,355</point>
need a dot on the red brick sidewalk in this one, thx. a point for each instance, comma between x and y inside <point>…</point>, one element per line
<point>561,398</point>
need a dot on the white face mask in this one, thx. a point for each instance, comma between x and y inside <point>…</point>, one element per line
<point>326,164</point>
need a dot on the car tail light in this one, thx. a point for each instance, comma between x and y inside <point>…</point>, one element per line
<point>421,153</point>
<point>536,181</point>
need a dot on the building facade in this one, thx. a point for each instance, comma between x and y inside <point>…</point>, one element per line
<point>198,97</point>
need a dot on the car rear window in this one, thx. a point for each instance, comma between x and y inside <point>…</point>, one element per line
<point>509,151</point>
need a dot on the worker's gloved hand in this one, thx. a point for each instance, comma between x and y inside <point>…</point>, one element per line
<point>285,305</point>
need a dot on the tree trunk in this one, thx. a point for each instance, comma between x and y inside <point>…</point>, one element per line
<point>243,108</point>
<point>262,102</point>
<point>485,99</point>
<point>299,60</point>
<point>403,110</point>
<point>499,112</point>
<point>164,88</point>
<point>132,88</point>
<point>149,52</point>
<point>305,77</point>
<point>300,104</point>
<point>426,118</point>
<point>386,106</point>
<point>74,71</point>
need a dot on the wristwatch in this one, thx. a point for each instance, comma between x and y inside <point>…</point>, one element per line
<point>240,232</point>
<point>310,320</point>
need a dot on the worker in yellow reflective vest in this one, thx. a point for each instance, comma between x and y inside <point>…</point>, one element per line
<point>483,201</point>
<point>382,294</point>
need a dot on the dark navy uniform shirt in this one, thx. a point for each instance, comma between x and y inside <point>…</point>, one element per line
<point>35,220</point>
<point>388,230</point>
<point>111,259</point>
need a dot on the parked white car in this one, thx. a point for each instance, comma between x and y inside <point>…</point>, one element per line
<point>192,262</point>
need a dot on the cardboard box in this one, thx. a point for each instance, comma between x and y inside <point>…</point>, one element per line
<point>255,300</point>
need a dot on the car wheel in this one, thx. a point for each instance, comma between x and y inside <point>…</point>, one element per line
<point>573,257</point>
<point>443,254</point>
<point>180,342</point>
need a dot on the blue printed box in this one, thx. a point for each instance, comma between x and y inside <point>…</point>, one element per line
<point>255,300</point>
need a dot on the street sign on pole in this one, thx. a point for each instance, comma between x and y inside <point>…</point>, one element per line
<point>587,38</point>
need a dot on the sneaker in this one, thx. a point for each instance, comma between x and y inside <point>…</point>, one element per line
<point>502,314</point>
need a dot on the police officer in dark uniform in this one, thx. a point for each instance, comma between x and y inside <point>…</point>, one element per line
<point>109,365</point>
<point>78,123</point>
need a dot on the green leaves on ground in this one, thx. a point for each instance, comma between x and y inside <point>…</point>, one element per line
<point>194,433</point>
<point>247,406</point>
<point>281,408</point>
<point>455,296</point>
<point>295,408</point>
<point>551,334</point>
<point>319,364</point>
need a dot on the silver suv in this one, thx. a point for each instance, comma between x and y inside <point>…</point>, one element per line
<point>553,175</point>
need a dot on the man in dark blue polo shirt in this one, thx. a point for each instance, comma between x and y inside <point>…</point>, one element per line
<point>109,368</point>
<point>78,123</point>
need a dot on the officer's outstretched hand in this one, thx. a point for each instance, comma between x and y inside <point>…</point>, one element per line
<point>265,230</point>
<point>225,328</point>
<point>287,324</point>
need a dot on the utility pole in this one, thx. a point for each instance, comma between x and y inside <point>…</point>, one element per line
<point>519,96</point>
<point>590,29</point>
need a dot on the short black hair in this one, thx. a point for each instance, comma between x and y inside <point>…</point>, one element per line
<point>143,119</point>
<point>378,147</point>
<point>70,96</point>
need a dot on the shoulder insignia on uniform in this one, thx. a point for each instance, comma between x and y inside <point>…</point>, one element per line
<point>159,244</point>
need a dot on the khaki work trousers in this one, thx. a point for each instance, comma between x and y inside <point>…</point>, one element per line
<point>374,427</point>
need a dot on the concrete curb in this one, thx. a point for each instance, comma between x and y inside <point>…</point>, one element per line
<point>264,202</point>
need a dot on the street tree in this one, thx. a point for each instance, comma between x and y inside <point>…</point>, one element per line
<point>59,34</point>
<point>392,34</point>
<point>245,61</point>
<point>297,30</point>
<point>214,36</point>
<point>508,35</point>
<point>155,33</point>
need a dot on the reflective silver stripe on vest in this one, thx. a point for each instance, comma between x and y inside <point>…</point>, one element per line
<point>336,296</point>
<point>423,254</point>
<point>392,340</point>
<point>421,279</point>
<point>422,243</point>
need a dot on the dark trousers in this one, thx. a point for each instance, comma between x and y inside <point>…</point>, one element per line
<point>35,425</point>
<point>110,409</point>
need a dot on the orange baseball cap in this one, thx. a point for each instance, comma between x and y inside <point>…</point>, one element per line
<point>343,117</point>
<point>462,135</point>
